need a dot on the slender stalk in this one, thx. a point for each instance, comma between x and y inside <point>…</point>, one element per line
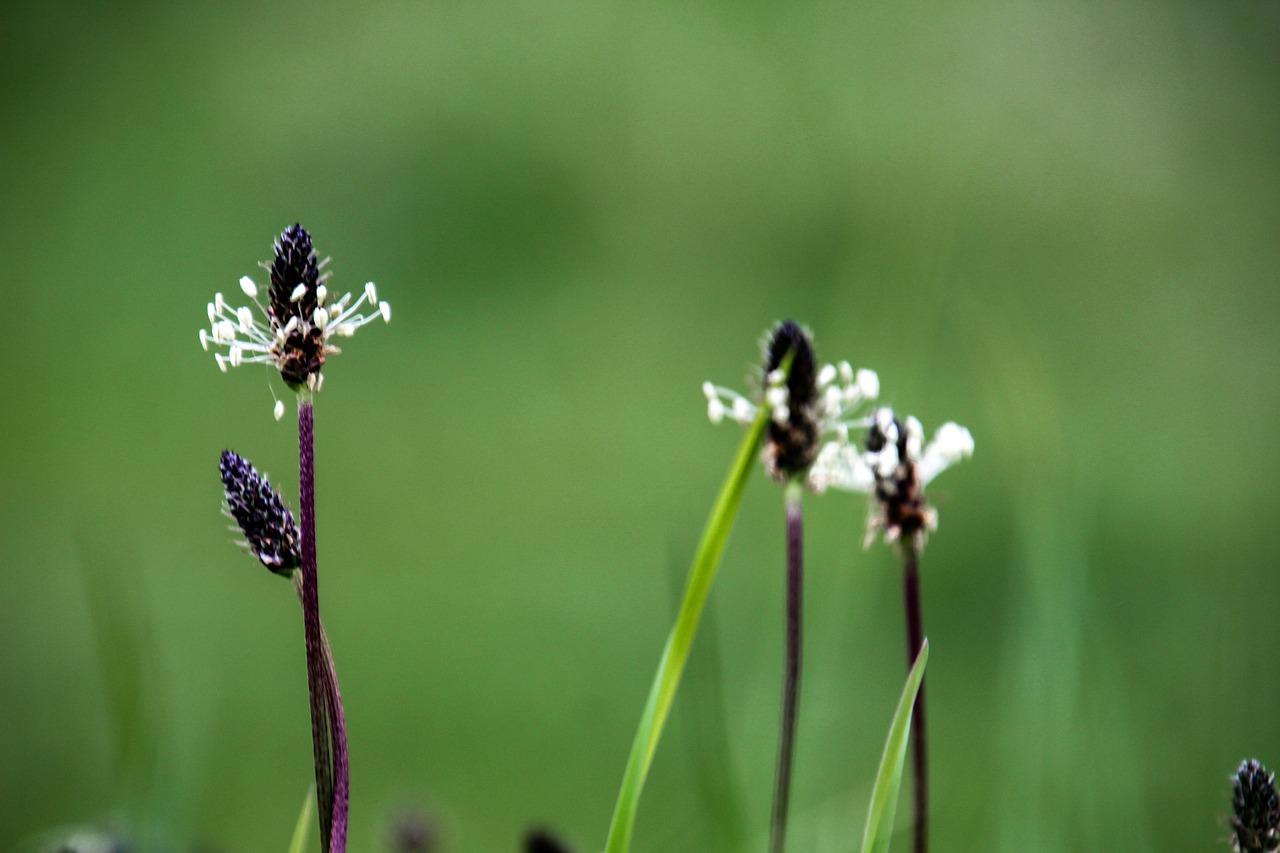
<point>337,741</point>
<point>915,640</point>
<point>791,674</point>
<point>328,729</point>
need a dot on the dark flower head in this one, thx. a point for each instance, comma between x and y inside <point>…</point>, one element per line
<point>295,280</point>
<point>293,331</point>
<point>794,429</point>
<point>267,524</point>
<point>806,403</point>
<point>1255,823</point>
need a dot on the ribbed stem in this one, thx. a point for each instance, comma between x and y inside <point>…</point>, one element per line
<point>915,638</point>
<point>791,675</point>
<point>328,728</point>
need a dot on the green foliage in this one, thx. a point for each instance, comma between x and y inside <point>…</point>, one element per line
<point>676,652</point>
<point>884,797</point>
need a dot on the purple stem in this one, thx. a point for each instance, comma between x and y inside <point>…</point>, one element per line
<point>791,676</point>
<point>915,639</point>
<point>328,728</point>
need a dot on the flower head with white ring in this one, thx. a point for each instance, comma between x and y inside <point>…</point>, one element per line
<point>807,403</point>
<point>293,330</point>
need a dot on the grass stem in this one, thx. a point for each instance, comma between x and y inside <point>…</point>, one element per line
<point>915,640</point>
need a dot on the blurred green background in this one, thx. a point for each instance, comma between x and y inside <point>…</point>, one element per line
<point>1055,223</point>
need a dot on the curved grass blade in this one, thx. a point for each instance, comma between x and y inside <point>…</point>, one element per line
<point>299,842</point>
<point>884,797</point>
<point>676,652</point>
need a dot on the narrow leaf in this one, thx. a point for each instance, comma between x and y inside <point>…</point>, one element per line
<point>676,652</point>
<point>884,798</point>
<point>299,842</point>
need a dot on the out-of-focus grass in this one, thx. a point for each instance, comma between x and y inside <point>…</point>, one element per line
<point>1052,223</point>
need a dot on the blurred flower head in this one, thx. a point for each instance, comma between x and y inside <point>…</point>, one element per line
<point>807,403</point>
<point>294,329</point>
<point>270,533</point>
<point>893,466</point>
<point>1255,822</point>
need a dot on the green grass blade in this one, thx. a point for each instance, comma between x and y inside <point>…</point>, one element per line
<point>299,842</point>
<point>884,798</point>
<point>676,652</point>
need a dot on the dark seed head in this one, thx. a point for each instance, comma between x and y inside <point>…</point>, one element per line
<point>265,521</point>
<point>295,263</point>
<point>903,510</point>
<point>1255,823</point>
<point>793,443</point>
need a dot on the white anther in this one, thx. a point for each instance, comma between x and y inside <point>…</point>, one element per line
<point>384,308</point>
<point>345,330</point>
<point>204,340</point>
<point>321,293</point>
<point>213,314</point>
<point>742,412</point>
<point>868,384</point>
<point>826,375</point>
<point>237,356</point>
<point>226,331</point>
<point>320,318</point>
<point>715,410</point>
<point>245,316</point>
<point>775,378</point>
<point>222,361</point>
<point>250,289</point>
<point>709,391</point>
<point>291,325</point>
<point>371,293</point>
<point>776,397</point>
<point>781,414</point>
<point>915,437</point>
<point>218,303</point>
<point>279,412</point>
<point>298,293</point>
<point>846,372</point>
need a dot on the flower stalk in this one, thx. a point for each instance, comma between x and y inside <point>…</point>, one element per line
<point>328,725</point>
<point>791,672</point>
<point>915,642</point>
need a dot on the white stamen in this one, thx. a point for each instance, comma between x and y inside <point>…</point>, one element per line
<point>213,314</point>
<point>204,340</point>
<point>250,289</point>
<point>222,361</point>
<point>236,355</point>
<point>776,397</point>
<point>279,412</point>
<point>826,375</point>
<point>291,325</point>
<point>846,372</point>
<point>709,391</point>
<point>320,318</point>
<point>868,383</point>
<point>775,378</point>
<point>742,411</point>
<point>345,330</point>
<point>781,414</point>
<point>715,410</point>
<point>245,316</point>
<point>384,308</point>
<point>218,304</point>
<point>321,293</point>
<point>298,293</point>
<point>371,293</point>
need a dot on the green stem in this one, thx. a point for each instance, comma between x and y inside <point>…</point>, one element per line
<point>676,652</point>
